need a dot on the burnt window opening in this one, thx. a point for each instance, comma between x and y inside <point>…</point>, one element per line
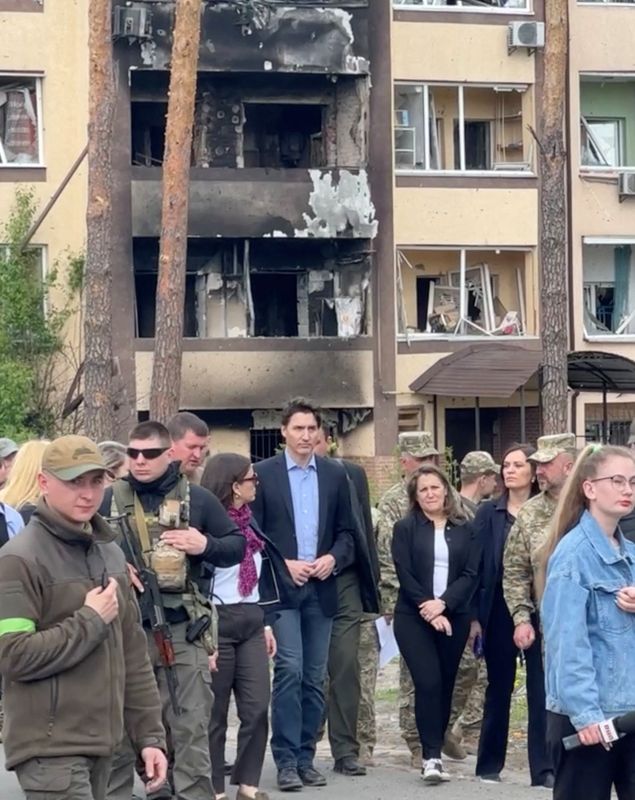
<point>275,304</point>
<point>264,443</point>
<point>148,133</point>
<point>283,136</point>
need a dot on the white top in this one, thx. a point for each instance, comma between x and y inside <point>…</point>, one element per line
<point>441,563</point>
<point>225,588</point>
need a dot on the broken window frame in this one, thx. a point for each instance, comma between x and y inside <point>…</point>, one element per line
<point>593,326</point>
<point>462,6</point>
<point>433,132</point>
<point>592,145</point>
<point>464,327</point>
<point>20,82</point>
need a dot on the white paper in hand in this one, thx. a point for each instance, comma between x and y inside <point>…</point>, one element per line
<point>388,648</point>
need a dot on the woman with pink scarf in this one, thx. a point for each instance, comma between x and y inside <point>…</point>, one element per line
<point>245,643</point>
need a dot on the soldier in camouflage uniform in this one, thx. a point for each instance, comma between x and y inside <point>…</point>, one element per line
<point>415,448</point>
<point>521,566</point>
<point>479,472</point>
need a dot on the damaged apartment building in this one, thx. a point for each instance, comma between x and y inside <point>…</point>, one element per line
<point>282,224</point>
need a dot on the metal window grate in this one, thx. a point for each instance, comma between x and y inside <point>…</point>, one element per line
<point>619,431</point>
<point>264,442</point>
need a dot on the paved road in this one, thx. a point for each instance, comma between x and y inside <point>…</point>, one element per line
<point>382,783</point>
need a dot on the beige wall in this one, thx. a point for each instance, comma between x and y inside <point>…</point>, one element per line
<point>457,52</point>
<point>54,43</point>
<point>358,442</point>
<point>457,216</point>
<point>229,440</point>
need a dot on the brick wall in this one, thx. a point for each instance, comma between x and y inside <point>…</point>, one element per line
<point>382,472</point>
<point>509,421</point>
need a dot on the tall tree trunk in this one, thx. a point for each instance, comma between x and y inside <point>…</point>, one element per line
<point>553,220</point>
<point>168,343</point>
<point>99,416</point>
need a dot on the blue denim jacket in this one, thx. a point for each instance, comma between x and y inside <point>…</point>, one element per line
<point>589,641</point>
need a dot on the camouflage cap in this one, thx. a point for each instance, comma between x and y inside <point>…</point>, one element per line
<point>478,462</point>
<point>551,446</point>
<point>68,457</point>
<point>418,444</point>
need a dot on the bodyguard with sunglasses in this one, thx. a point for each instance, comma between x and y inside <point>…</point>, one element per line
<point>154,490</point>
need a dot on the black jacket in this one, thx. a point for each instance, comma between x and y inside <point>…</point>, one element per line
<point>273,510</point>
<point>366,559</point>
<point>413,554</point>
<point>492,528</point>
<point>225,543</point>
<point>627,526</point>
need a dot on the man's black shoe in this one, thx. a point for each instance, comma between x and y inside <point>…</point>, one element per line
<point>349,766</point>
<point>289,780</point>
<point>547,782</point>
<point>228,768</point>
<point>311,777</point>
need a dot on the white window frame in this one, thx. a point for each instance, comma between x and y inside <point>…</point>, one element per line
<point>460,8</point>
<point>630,76</point>
<point>37,77</point>
<point>402,262</point>
<point>609,241</point>
<point>425,87</point>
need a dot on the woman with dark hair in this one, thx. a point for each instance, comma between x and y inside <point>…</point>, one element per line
<point>437,561</point>
<point>588,630</point>
<point>245,644</point>
<point>493,522</point>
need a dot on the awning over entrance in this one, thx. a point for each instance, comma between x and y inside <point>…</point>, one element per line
<point>480,370</point>
<point>601,372</point>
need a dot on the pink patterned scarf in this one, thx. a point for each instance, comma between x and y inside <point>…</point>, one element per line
<point>247,573</point>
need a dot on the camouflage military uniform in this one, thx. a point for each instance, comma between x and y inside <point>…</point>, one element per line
<point>368,666</point>
<point>521,561</point>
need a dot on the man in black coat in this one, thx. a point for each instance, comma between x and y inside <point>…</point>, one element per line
<point>358,592</point>
<point>303,506</point>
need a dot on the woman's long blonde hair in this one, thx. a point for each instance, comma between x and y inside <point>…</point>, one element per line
<point>22,486</point>
<point>572,501</point>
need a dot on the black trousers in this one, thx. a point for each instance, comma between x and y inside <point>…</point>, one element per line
<point>590,772</point>
<point>243,667</point>
<point>433,660</point>
<point>501,656</point>
<point>343,667</point>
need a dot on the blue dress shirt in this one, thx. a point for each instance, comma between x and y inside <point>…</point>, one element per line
<point>306,506</point>
<point>15,523</point>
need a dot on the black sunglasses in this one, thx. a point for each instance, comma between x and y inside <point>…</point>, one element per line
<point>150,453</point>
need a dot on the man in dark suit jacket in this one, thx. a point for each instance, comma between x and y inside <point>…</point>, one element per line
<point>303,506</point>
<point>357,593</point>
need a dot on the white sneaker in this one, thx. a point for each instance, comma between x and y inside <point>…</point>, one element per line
<point>432,771</point>
<point>445,775</point>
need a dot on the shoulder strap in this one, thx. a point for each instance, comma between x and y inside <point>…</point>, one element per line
<point>129,504</point>
<point>4,528</point>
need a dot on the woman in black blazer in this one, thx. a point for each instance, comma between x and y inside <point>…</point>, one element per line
<point>246,597</point>
<point>493,522</point>
<point>437,560</point>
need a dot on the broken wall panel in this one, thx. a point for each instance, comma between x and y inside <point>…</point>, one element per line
<point>323,37</point>
<point>246,203</point>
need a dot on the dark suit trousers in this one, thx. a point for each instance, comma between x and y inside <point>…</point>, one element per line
<point>243,667</point>
<point>501,656</point>
<point>343,666</point>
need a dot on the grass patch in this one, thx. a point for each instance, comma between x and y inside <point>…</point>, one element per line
<point>387,695</point>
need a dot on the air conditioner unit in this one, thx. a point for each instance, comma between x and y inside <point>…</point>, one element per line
<point>525,34</point>
<point>626,184</point>
<point>132,22</point>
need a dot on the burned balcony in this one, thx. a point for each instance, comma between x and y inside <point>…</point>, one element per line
<point>609,288</point>
<point>444,293</point>
<point>259,288</point>
<point>315,36</point>
<point>457,128</point>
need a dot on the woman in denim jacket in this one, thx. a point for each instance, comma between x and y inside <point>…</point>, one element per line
<point>589,630</point>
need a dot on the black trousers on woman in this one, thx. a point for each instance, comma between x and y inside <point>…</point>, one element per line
<point>432,659</point>
<point>590,772</point>
<point>243,667</point>
<point>501,656</point>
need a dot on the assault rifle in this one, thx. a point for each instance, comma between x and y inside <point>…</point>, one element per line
<point>151,606</point>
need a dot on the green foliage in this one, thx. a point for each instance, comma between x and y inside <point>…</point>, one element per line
<point>31,331</point>
<point>452,468</point>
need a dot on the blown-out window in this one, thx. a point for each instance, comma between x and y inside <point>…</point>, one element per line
<point>20,121</point>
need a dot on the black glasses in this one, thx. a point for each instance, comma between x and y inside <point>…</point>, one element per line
<point>618,481</point>
<point>253,479</point>
<point>149,453</point>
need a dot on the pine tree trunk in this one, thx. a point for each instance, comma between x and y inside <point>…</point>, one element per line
<point>168,343</point>
<point>99,415</point>
<point>553,210</point>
